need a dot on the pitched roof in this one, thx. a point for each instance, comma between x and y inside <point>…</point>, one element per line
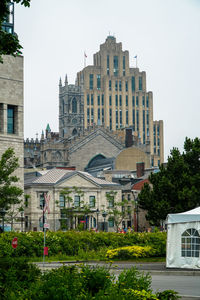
<point>55,176</point>
<point>139,185</point>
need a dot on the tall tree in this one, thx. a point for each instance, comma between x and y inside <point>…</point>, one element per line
<point>176,188</point>
<point>9,193</point>
<point>9,43</point>
<point>117,210</point>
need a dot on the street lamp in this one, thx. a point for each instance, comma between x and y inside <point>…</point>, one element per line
<point>104,215</point>
<point>97,212</point>
<point>137,214</point>
<point>2,214</point>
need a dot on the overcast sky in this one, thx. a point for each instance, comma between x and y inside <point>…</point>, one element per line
<point>165,34</point>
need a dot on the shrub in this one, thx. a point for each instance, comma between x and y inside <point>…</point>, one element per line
<point>134,279</point>
<point>130,252</point>
<point>168,295</point>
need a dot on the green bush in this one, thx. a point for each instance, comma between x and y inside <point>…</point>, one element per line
<point>130,252</point>
<point>72,243</point>
<point>21,280</point>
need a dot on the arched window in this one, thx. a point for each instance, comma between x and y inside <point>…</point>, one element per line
<point>74,132</point>
<point>74,106</point>
<point>190,243</point>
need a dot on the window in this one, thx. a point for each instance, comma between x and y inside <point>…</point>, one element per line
<point>41,200</point>
<point>110,113</point>
<point>124,65</point>
<point>115,65</point>
<point>140,83</point>
<point>126,117</point>
<point>120,100</point>
<point>147,101</point>
<point>110,100</point>
<point>120,85</point>
<point>133,83</point>
<point>10,119</point>
<point>88,99</point>
<point>137,119</point>
<point>92,99</point>
<point>117,119</point>
<point>158,162</point>
<point>92,115</point>
<point>102,99</point>
<point>126,85</point>
<point>133,101</point>
<point>76,201</point>
<point>91,81</point>
<point>190,243</point>
<point>88,115</point>
<point>102,112</point>
<point>158,152</point>
<point>111,201</point>
<point>133,119</point>
<point>108,65</point>
<point>92,201</point>
<point>98,82</point>
<point>74,106</point>
<point>116,100</point>
<point>99,117</point>
<point>98,99</point>
<point>62,200</point>
<point>120,118</point>
<point>147,118</point>
<point>143,101</point>
<point>158,130</point>
<point>110,85</point>
<point>129,210</point>
<point>129,197</point>
<point>111,222</point>
<point>116,85</point>
<point>137,101</point>
<point>126,100</point>
<point>152,162</point>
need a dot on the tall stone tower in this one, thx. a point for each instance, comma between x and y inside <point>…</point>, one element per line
<point>71,110</point>
<point>116,96</point>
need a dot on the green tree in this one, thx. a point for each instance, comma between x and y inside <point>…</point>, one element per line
<point>9,43</point>
<point>117,210</point>
<point>9,193</point>
<point>69,211</point>
<point>175,188</point>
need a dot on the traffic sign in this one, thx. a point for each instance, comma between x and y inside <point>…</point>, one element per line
<point>46,225</point>
<point>14,243</point>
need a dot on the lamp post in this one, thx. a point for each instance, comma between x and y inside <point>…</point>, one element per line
<point>137,214</point>
<point>104,215</point>
<point>97,212</point>
<point>2,214</point>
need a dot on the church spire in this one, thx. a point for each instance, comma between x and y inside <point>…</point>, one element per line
<point>60,82</point>
<point>66,80</point>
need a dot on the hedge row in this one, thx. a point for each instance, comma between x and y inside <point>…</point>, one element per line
<point>71,242</point>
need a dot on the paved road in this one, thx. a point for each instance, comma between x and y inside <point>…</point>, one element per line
<point>185,285</point>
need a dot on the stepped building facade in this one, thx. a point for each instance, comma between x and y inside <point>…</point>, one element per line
<point>107,110</point>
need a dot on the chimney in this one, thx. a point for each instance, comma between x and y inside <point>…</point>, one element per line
<point>140,169</point>
<point>129,137</point>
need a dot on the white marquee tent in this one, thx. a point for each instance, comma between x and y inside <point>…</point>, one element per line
<point>183,240</point>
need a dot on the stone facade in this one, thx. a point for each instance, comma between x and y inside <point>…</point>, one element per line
<point>52,182</point>
<point>12,110</point>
